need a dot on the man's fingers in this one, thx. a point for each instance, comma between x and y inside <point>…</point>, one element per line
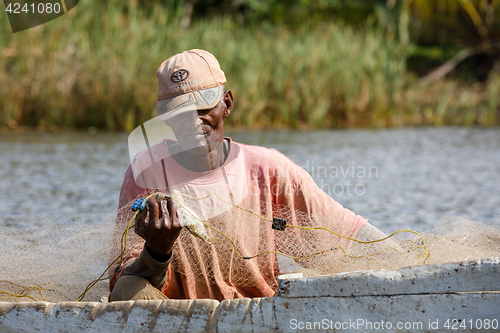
<point>141,216</point>
<point>140,222</point>
<point>154,210</point>
<point>174,214</point>
<point>165,216</point>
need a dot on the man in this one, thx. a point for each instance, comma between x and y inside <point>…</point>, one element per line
<point>248,197</point>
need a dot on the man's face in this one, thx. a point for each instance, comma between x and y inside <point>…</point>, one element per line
<point>202,128</point>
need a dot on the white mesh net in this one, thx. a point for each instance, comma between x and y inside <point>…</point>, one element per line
<point>248,245</point>
<point>54,258</point>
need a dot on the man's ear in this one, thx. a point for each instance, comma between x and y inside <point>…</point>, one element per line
<point>228,100</point>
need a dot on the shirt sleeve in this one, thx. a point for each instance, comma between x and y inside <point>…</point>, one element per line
<point>148,268</point>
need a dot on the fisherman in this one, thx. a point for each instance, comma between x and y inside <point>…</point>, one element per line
<point>192,100</point>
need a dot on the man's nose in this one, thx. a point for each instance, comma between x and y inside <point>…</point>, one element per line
<point>193,122</point>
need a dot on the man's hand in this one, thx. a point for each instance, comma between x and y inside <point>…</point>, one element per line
<point>162,228</point>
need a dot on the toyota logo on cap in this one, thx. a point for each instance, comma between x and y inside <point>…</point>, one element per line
<point>179,76</point>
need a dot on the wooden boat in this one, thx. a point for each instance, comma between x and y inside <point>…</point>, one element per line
<point>461,296</point>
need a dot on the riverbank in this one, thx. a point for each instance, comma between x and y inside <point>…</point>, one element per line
<point>96,67</point>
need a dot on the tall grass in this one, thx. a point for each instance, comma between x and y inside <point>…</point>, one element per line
<point>96,66</point>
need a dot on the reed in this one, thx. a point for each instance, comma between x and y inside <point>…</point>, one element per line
<point>96,66</point>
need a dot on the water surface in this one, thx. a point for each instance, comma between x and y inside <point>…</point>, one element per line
<point>396,178</point>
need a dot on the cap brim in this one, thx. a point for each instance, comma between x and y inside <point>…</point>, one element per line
<point>195,100</point>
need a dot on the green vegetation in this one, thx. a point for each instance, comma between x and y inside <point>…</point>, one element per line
<point>96,66</point>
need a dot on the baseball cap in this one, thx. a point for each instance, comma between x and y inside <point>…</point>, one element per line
<point>188,81</point>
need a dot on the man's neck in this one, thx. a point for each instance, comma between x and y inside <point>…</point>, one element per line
<point>214,158</point>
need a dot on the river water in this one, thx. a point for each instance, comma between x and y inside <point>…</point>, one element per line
<point>396,178</point>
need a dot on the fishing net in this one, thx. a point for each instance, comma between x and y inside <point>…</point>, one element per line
<point>267,222</point>
<point>313,245</point>
<point>55,258</point>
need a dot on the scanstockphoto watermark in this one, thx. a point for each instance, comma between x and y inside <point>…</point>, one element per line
<point>363,325</point>
<point>357,324</point>
<point>346,179</point>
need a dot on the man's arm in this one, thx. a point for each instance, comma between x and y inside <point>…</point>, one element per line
<point>159,225</point>
<point>160,229</point>
<point>148,268</point>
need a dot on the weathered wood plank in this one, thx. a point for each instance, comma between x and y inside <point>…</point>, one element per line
<point>404,313</point>
<point>421,299</point>
<point>130,316</point>
<point>473,276</point>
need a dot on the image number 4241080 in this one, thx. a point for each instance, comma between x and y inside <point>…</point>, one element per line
<point>26,14</point>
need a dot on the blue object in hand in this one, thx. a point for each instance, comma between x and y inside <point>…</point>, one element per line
<point>139,204</point>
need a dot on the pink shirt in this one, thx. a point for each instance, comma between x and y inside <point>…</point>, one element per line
<point>262,181</point>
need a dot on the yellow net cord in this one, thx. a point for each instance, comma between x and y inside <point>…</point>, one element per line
<point>423,257</point>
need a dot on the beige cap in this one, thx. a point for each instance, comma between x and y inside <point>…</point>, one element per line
<point>190,80</point>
